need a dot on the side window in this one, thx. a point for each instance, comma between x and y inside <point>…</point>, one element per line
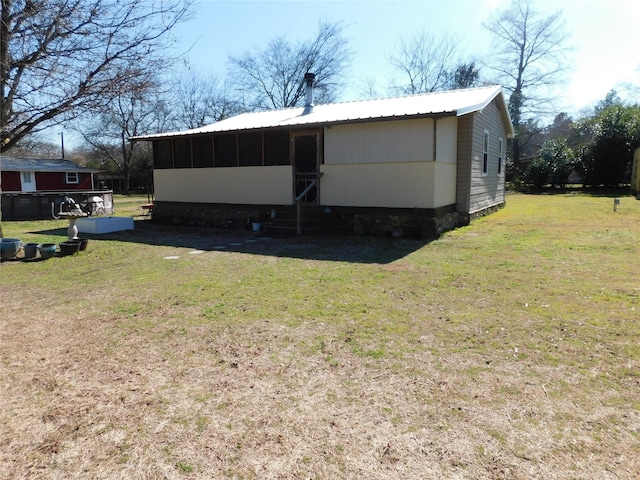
<point>485,154</point>
<point>500,155</point>
<point>72,177</point>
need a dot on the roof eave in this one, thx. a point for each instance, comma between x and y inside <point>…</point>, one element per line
<point>302,126</point>
<point>504,110</point>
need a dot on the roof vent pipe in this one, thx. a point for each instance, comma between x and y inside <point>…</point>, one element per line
<point>309,79</point>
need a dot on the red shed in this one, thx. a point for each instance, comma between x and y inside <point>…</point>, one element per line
<point>30,185</point>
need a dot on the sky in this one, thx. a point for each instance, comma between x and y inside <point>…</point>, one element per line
<point>605,36</point>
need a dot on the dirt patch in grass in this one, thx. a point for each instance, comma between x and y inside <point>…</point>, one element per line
<point>502,350</point>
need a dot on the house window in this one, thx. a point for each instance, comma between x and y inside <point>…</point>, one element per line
<point>72,177</point>
<point>250,149</point>
<point>162,154</point>
<point>26,177</point>
<point>500,155</point>
<point>485,154</point>
<point>276,147</point>
<point>182,153</point>
<point>225,150</point>
<point>202,152</point>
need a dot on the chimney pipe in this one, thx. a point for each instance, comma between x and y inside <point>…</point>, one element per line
<point>309,79</point>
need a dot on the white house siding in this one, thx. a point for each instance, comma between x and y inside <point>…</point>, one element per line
<point>444,188</point>
<point>379,142</point>
<point>393,185</point>
<point>236,185</point>
<point>390,164</point>
<point>447,137</point>
<point>486,190</point>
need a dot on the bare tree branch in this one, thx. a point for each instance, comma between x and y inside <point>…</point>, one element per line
<point>529,57</point>
<point>129,114</point>
<point>425,63</point>
<point>272,77</point>
<point>59,58</point>
<point>199,101</point>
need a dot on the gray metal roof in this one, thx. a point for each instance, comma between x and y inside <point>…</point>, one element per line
<point>41,165</point>
<point>453,102</point>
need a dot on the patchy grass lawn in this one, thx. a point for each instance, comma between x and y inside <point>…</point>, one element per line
<point>506,349</point>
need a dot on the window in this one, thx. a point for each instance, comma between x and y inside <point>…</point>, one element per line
<point>182,152</point>
<point>485,153</point>
<point>225,150</point>
<point>72,177</point>
<point>162,155</point>
<point>250,149</point>
<point>26,177</point>
<point>202,152</point>
<point>276,147</point>
<point>500,155</point>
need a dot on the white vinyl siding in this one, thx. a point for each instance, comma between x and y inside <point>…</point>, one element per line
<point>260,185</point>
<point>380,142</point>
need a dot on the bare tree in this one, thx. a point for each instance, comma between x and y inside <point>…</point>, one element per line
<point>127,115</point>
<point>424,63</point>
<point>33,146</point>
<point>59,58</point>
<point>200,100</point>
<point>529,56</point>
<point>368,88</point>
<point>273,77</point>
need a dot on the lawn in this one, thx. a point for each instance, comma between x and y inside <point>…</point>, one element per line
<point>506,349</point>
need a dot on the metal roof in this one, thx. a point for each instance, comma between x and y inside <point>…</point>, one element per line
<point>41,165</point>
<point>453,102</point>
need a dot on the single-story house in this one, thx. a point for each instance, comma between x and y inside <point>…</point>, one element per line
<point>30,185</point>
<point>429,155</point>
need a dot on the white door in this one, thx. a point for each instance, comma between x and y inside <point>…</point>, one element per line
<point>28,181</point>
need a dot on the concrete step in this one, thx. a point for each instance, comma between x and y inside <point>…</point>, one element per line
<point>314,220</point>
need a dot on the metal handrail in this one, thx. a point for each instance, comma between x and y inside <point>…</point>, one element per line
<point>298,201</point>
<point>309,187</point>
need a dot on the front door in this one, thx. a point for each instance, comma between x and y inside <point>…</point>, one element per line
<point>306,165</point>
<point>28,181</point>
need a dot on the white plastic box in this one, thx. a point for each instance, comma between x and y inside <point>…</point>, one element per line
<point>104,224</point>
